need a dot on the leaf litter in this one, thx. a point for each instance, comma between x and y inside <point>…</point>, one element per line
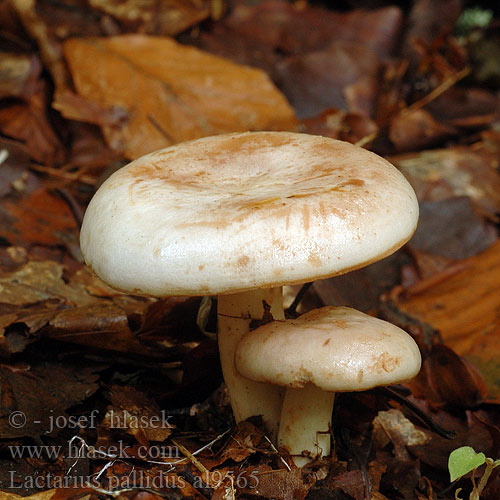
<point>87,86</point>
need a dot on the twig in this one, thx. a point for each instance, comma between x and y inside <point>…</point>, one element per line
<point>203,448</point>
<point>418,412</point>
<point>63,174</point>
<point>119,493</point>
<point>434,94</point>
<point>75,208</point>
<point>192,458</point>
<point>274,449</point>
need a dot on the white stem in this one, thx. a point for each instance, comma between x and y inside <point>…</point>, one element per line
<point>306,419</point>
<point>235,313</point>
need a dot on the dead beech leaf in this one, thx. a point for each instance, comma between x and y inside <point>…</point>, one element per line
<point>37,302</point>
<point>33,394</point>
<point>283,484</point>
<point>352,483</point>
<point>171,92</point>
<point>43,495</point>
<point>37,281</point>
<point>136,414</point>
<point>38,217</point>
<point>464,308</point>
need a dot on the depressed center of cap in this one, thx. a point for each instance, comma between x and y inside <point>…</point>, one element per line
<point>235,212</point>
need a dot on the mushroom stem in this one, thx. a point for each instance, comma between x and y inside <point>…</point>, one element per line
<point>235,313</point>
<point>306,419</point>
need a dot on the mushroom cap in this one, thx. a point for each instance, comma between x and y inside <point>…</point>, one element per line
<point>334,348</point>
<point>241,211</point>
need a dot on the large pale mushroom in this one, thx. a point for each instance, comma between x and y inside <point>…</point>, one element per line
<point>324,351</point>
<point>239,216</point>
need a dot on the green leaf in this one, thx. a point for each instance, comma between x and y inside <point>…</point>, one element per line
<point>463,460</point>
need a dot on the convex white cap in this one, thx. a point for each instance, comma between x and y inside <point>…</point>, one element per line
<point>241,211</point>
<point>334,348</point>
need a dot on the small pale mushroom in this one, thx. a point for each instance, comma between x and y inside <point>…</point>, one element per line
<point>325,351</point>
<point>239,216</point>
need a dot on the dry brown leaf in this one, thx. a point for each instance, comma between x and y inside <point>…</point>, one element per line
<point>35,404</point>
<point>171,92</point>
<point>37,301</point>
<point>37,281</point>
<point>137,414</point>
<point>43,495</point>
<point>283,484</point>
<point>464,308</point>
<point>38,217</point>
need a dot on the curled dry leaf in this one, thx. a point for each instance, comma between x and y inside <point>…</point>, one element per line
<point>171,92</point>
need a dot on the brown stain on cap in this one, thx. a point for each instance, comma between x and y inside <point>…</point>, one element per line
<point>243,261</point>
<point>386,363</point>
